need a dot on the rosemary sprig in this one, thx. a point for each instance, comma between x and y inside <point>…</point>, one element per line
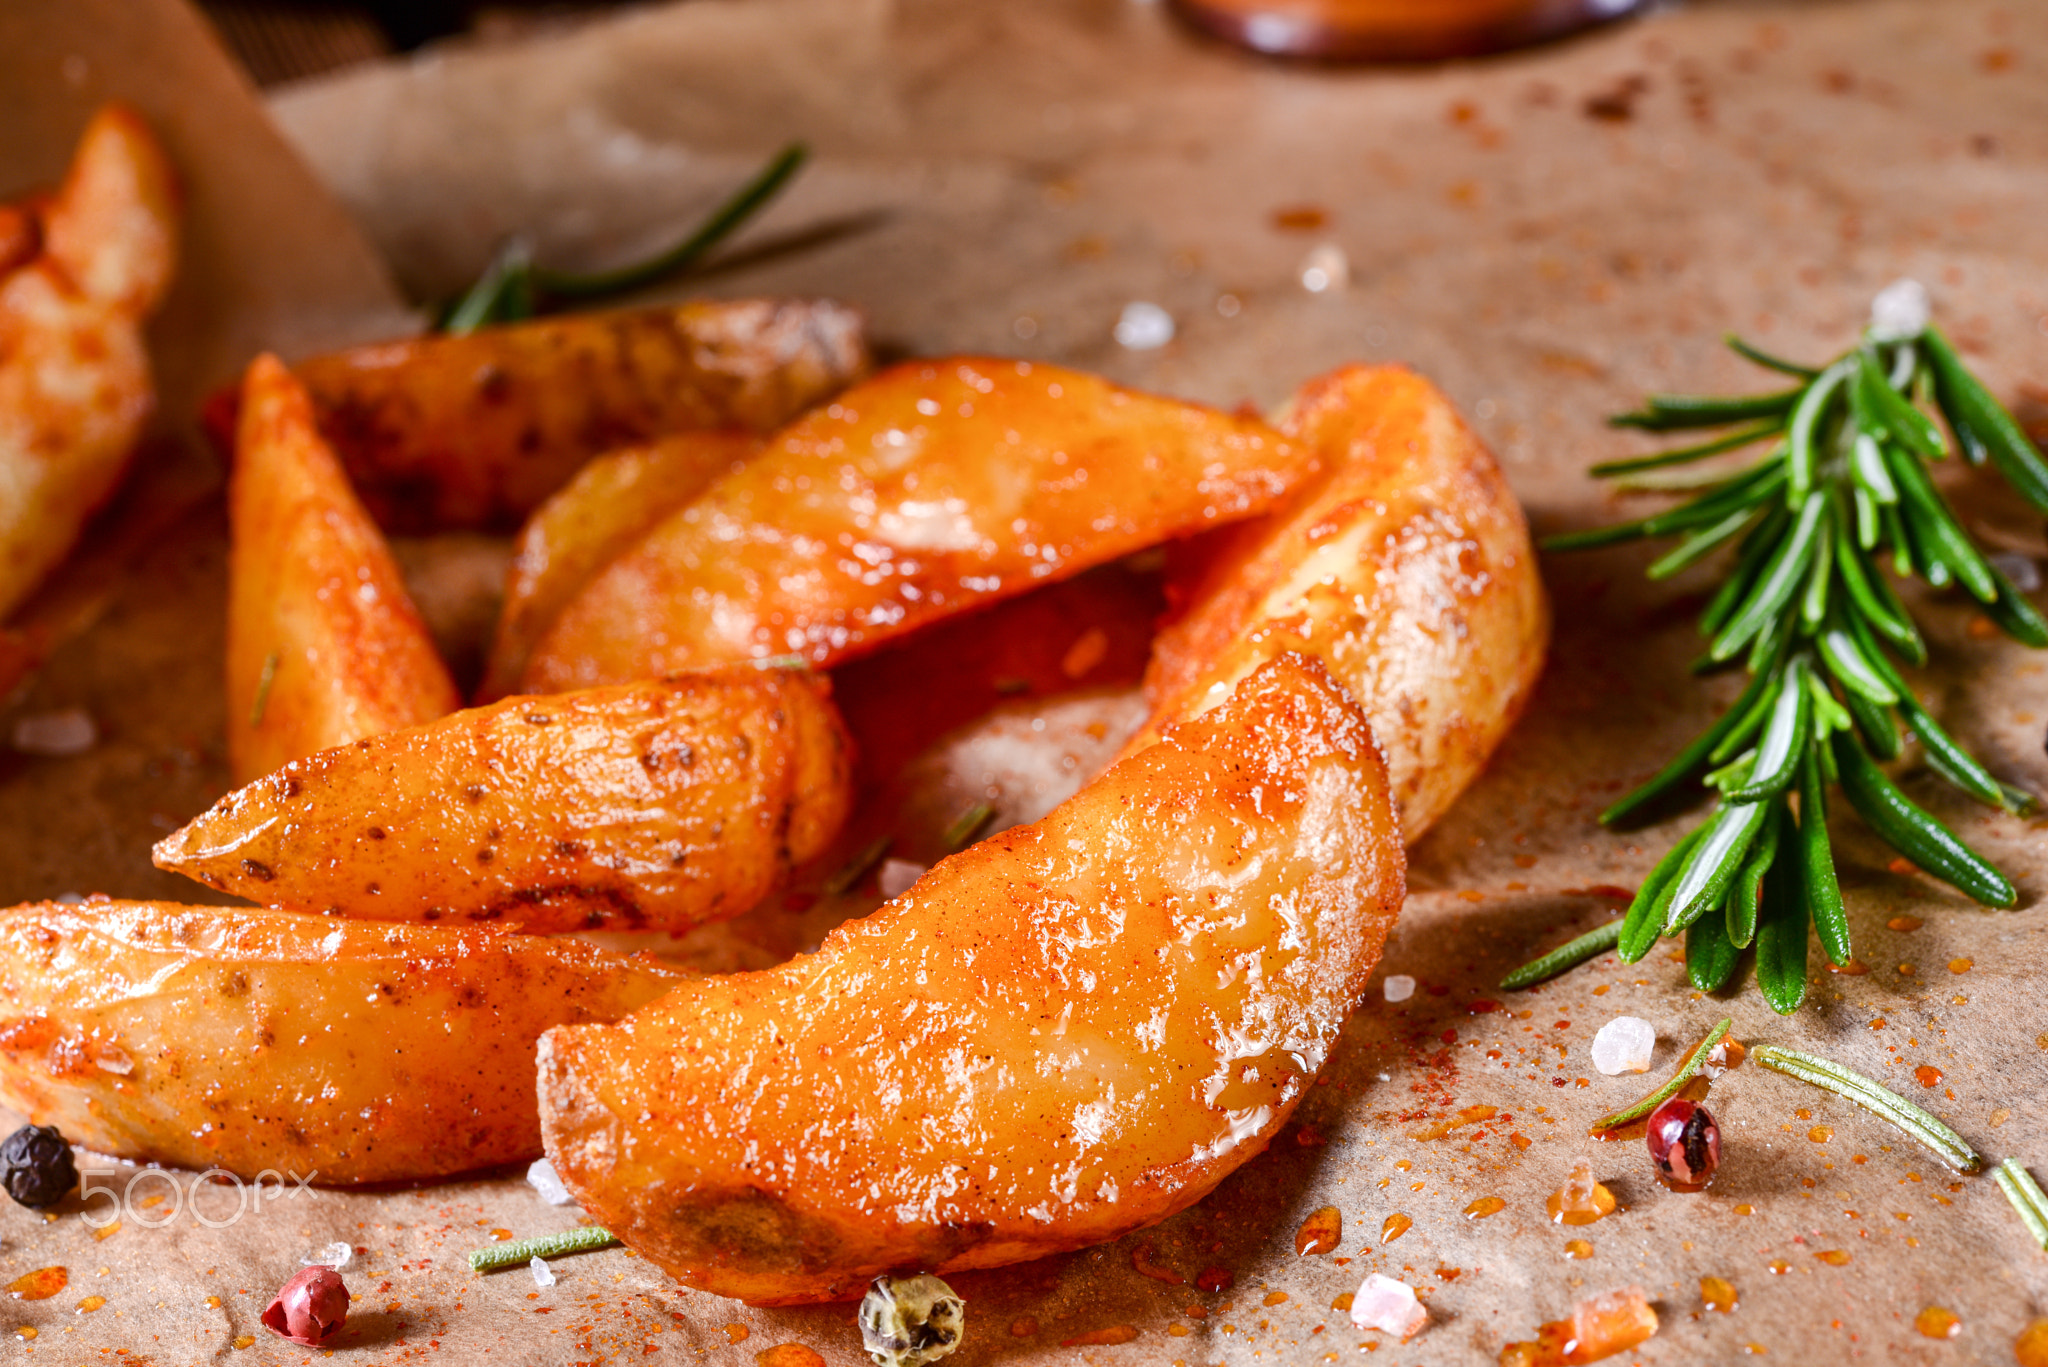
<point>514,287</point>
<point>1564,958</point>
<point>1806,606</point>
<point>2024,1192</point>
<point>582,1239</point>
<point>1686,1068</point>
<point>1949,1146</point>
<point>966,827</point>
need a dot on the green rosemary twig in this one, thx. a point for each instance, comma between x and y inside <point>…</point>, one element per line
<point>582,1239</point>
<point>1947,1145</point>
<point>1565,957</point>
<point>514,287</point>
<point>1806,606</point>
<point>1691,1065</point>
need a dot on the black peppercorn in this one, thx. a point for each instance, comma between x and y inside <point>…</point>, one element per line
<point>36,1166</point>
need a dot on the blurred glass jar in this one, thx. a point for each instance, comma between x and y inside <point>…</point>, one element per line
<point>1394,30</point>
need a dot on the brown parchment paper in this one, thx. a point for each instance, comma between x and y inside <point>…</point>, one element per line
<point>1547,235</point>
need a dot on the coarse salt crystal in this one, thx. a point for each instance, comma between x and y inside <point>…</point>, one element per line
<point>543,1178</point>
<point>897,875</point>
<point>1144,327</point>
<point>543,1275</point>
<point>112,1058</point>
<point>1900,311</point>
<point>67,732</point>
<point>1325,268</point>
<point>336,1255</point>
<point>1624,1045</point>
<point>1399,987</point>
<point>1389,1306</point>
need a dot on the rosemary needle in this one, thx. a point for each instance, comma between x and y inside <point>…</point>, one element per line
<point>1686,1069</point>
<point>1565,957</point>
<point>1949,1146</point>
<point>2024,1192</point>
<point>582,1239</point>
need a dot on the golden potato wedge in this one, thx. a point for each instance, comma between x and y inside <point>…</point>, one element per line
<point>931,488</point>
<point>609,504</point>
<point>1405,566</point>
<point>75,387</point>
<point>1068,1031</point>
<point>324,646</point>
<point>656,805</point>
<point>444,433</point>
<point>332,1051</point>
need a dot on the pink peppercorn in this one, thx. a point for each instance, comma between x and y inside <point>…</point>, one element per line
<point>310,1308</point>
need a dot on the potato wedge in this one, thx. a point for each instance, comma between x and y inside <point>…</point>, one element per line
<point>326,1050</point>
<point>444,433</point>
<point>609,504</point>
<point>931,488</point>
<point>656,805</point>
<point>1069,1031</point>
<point>324,646</point>
<point>1405,566</point>
<point>75,387</point>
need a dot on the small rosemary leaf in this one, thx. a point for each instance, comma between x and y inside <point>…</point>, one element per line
<point>1872,600</point>
<point>1949,759</point>
<point>1701,544</point>
<point>1642,926</point>
<point>1867,467</point>
<point>1683,455</point>
<point>1874,724</point>
<point>1687,761</point>
<point>1776,584</point>
<point>582,1239</point>
<point>1687,1066</point>
<point>1906,369</point>
<point>1828,715</point>
<point>1903,825</point>
<point>1749,715</point>
<point>1564,958</point>
<point>1745,894</point>
<point>1765,359</point>
<point>1749,562</point>
<point>1593,537</point>
<point>1868,528</point>
<point>1813,602</point>
<point>1969,405</point>
<point>1944,536</point>
<point>1781,939</point>
<point>1914,429</point>
<point>853,870</point>
<point>1817,863</point>
<point>2015,616</point>
<point>493,298</point>
<point>1784,737</point>
<point>1846,662</point>
<point>1708,873</point>
<point>1676,412</point>
<point>1905,560</point>
<point>2025,1194</point>
<point>1710,957</point>
<point>1803,432</point>
<point>1753,488</point>
<point>1879,1101</point>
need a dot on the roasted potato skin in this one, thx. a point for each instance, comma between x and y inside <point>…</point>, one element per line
<point>252,1041</point>
<point>655,805</point>
<point>931,488</point>
<point>89,267</point>
<point>443,433</point>
<point>324,644</point>
<point>1406,566</point>
<point>607,506</point>
<point>1069,1031</point>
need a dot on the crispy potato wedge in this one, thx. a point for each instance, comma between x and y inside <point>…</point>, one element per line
<point>1069,1031</point>
<point>333,1051</point>
<point>324,646</point>
<point>931,488</point>
<point>444,433</point>
<point>609,504</point>
<point>656,805</point>
<point>75,387</point>
<point>1405,566</point>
